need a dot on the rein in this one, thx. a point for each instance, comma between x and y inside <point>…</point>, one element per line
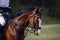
<point>16,25</point>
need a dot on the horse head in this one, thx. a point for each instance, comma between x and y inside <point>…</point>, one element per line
<point>35,20</point>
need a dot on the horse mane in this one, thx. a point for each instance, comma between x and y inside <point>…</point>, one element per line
<point>24,10</point>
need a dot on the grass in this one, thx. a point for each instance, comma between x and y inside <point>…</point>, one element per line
<point>47,33</point>
<point>50,20</point>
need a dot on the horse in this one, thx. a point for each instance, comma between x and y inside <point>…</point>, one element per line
<point>16,26</point>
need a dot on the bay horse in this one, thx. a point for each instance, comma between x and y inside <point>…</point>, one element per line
<point>16,26</point>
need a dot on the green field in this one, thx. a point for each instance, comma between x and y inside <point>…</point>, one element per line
<point>48,32</point>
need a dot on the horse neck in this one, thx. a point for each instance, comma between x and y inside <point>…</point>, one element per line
<point>24,16</point>
<point>18,34</point>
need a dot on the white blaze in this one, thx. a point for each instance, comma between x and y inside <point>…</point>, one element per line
<point>40,22</point>
<point>2,20</point>
<point>39,30</point>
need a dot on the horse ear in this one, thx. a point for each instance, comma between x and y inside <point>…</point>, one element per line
<point>33,12</point>
<point>41,8</point>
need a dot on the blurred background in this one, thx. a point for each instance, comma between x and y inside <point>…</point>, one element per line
<point>50,19</point>
<point>51,8</point>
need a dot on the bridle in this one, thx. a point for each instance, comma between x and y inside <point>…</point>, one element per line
<point>33,27</point>
<point>16,25</point>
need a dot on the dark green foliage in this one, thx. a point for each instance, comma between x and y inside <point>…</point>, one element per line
<point>31,2</point>
<point>51,5</point>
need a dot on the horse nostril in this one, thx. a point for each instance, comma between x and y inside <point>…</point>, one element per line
<point>37,34</point>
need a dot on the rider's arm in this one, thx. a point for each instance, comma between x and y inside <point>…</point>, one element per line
<point>4,3</point>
